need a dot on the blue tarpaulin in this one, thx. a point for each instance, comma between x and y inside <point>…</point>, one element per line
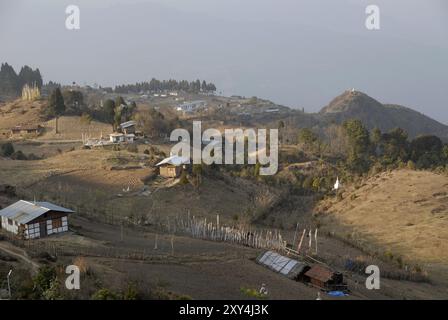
<point>337,294</point>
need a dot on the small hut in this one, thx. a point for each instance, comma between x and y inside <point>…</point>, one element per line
<point>23,130</point>
<point>172,167</point>
<point>324,278</point>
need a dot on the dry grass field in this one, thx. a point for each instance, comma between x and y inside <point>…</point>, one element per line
<point>402,215</point>
<point>21,112</point>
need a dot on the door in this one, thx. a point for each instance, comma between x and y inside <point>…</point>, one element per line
<point>43,229</point>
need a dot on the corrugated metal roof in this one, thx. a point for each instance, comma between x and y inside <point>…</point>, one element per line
<point>24,211</point>
<point>174,160</point>
<point>54,207</point>
<point>128,124</point>
<point>281,264</point>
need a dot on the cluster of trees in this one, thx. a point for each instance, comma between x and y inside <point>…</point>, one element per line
<point>156,124</point>
<point>71,102</point>
<point>392,149</point>
<point>360,149</point>
<point>166,85</point>
<point>11,83</point>
<point>118,111</point>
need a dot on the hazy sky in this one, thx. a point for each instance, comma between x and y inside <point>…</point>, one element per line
<point>300,53</point>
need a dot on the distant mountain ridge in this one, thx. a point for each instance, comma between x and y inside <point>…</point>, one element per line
<point>358,105</point>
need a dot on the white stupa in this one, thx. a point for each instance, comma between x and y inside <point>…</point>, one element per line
<point>337,184</point>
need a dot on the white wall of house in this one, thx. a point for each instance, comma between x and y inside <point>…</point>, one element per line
<point>14,227</point>
<point>62,228</point>
<point>32,230</point>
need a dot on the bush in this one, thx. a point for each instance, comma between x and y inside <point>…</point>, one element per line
<point>44,278</point>
<point>252,293</point>
<point>18,155</point>
<point>104,294</point>
<point>7,149</point>
<point>411,165</point>
<point>183,178</point>
<point>132,293</point>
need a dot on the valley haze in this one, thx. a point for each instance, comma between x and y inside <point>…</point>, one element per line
<point>297,53</point>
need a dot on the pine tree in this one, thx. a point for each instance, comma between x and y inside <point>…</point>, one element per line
<point>56,105</point>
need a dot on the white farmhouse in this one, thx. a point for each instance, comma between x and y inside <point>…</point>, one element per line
<point>122,138</point>
<point>191,106</point>
<point>30,220</point>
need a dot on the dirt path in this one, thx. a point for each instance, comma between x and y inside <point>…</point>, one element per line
<point>18,253</point>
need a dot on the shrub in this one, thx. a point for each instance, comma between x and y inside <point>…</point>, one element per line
<point>53,292</point>
<point>411,165</point>
<point>7,149</point>
<point>44,278</point>
<point>18,155</point>
<point>183,178</point>
<point>252,293</point>
<point>104,294</point>
<point>131,293</point>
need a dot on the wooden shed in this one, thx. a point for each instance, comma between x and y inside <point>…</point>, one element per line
<point>325,278</point>
<point>23,130</point>
<point>172,167</point>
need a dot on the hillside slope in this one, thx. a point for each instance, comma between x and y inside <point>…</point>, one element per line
<point>403,213</point>
<point>20,112</point>
<point>358,105</point>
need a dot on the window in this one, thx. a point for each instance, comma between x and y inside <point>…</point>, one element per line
<point>10,222</point>
<point>57,223</point>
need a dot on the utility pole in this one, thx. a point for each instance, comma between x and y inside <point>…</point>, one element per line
<point>9,286</point>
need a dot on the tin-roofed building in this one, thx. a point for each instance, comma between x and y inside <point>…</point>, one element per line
<point>288,267</point>
<point>128,127</point>
<point>30,220</point>
<point>324,278</point>
<point>172,167</point>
